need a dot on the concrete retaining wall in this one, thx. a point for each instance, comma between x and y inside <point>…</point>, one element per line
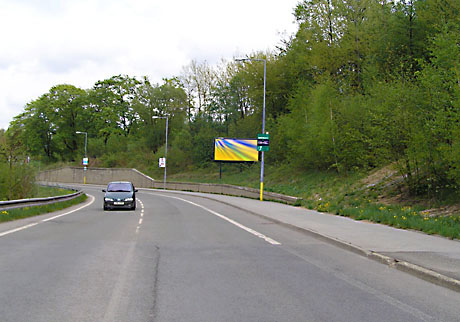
<point>103,176</point>
<point>96,176</point>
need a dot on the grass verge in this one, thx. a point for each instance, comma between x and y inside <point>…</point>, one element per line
<point>19,213</point>
<point>46,191</point>
<point>404,218</point>
<point>340,194</point>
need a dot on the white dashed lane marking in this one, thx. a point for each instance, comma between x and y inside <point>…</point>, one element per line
<point>142,215</point>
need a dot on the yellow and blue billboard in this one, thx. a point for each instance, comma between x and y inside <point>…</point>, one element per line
<point>235,150</point>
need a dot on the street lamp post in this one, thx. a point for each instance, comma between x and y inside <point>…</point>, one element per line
<point>166,147</point>
<point>263,121</point>
<point>86,142</point>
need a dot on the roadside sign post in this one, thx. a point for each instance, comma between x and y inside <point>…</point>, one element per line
<point>166,145</point>
<point>263,122</point>
<point>85,166</point>
<point>85,159</point>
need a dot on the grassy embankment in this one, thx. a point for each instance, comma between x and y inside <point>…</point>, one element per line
<point>42,192</point>
<point>352,195</point>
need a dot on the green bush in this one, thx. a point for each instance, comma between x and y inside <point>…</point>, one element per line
<point>16,181</point>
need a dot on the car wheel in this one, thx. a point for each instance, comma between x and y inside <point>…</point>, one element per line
<point>105,207</point>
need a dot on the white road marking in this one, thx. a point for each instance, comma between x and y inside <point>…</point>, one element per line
<point>249,230</point>
<point>17,229</point>
<point>44,220</point>
<point>142,215</point>
<point>68,213</point>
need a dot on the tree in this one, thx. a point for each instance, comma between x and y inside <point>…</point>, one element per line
<point>66,102</point>
<point>168,99</point>
<point>16,176</point>
<point>39,126</point>
<point>117,95</point>
<point>440,112</point>
<point>198,79</point>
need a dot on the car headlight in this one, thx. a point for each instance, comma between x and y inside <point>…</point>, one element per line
<point>129,199</point>
<point>108,199</point>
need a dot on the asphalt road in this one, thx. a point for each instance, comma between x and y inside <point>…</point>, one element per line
<point>184,258</point>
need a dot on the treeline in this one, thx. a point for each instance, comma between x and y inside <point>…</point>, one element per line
<point>362,84</point>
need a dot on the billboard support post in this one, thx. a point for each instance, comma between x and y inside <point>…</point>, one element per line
<point>85,159</point>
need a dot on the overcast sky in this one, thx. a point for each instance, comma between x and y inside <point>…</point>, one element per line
<point>49,42</point>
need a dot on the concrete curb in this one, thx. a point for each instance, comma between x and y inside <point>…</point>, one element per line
<point>413,269</point>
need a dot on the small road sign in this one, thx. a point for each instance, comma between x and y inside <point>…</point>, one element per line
<point>263,142</point>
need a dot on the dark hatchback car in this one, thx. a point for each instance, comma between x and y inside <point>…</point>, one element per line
<point>120,194</point>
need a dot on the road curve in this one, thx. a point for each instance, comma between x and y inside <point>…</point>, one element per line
<point>184,258</point>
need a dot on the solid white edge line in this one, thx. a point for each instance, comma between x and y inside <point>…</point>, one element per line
<point>249,230</point>
<point>44,220</point>
<point>17,229</point>
<point>68,213</point>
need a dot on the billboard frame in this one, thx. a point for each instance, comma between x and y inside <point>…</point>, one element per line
<point>235,161</point>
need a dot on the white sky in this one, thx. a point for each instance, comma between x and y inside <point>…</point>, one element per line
<point>49,42</point>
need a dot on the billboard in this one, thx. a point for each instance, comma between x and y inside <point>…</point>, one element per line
<point>235,150</point>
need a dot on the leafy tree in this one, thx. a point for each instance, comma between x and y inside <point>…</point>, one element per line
<point>66,102</point>
<point>116,97</point>
<point>38,124</point>
<point>198,79</point>
<point>16,176</point>
<point>440,109</point>
<point>168,99</point>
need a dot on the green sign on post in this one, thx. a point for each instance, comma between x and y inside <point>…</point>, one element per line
<point>263,142</point>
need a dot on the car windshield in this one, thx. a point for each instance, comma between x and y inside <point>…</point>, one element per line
<point>119,186</point>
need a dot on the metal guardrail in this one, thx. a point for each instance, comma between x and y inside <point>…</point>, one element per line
<point>21,203</point>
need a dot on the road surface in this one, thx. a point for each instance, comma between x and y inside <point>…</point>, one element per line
<point>184,258</point>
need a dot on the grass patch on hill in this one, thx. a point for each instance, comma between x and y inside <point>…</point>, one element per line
<point>407,218</point>
<point>47,191</point>
<point>361,196</point>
